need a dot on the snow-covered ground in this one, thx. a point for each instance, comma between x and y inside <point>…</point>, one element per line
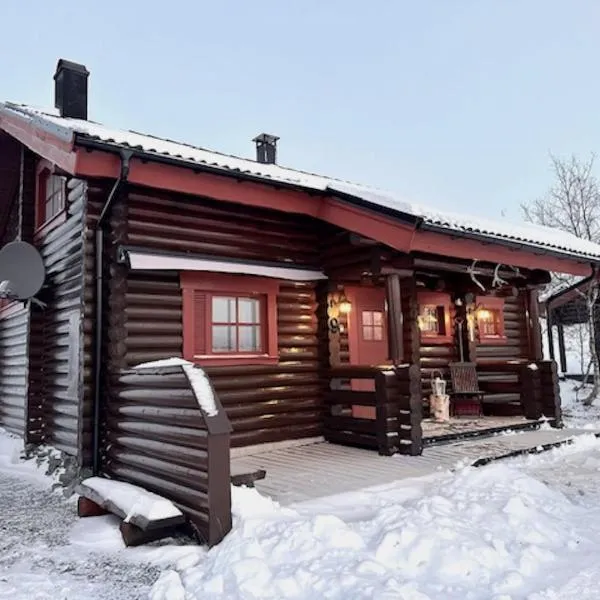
<point>575,414</point>
<point>528,528</point>
<point>47,553</point>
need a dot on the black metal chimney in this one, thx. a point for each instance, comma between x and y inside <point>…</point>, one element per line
<point>71,89</point>
<point>266,148</point>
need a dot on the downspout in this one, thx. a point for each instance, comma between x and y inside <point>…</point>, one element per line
<point>99,235</point>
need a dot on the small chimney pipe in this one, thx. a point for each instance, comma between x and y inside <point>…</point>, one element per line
<point>71,89</point>
<point>266,148</point>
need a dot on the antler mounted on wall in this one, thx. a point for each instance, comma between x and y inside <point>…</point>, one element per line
<point>472,272</point>
<point>498,281</point>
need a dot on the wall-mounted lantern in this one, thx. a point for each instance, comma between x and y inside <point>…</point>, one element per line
<point>344,305</point>
<point>338,305</point>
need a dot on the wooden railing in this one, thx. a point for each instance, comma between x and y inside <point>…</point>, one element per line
<point>534,383</point>
<point>386,418</point>
<point>540,391</point>
<point>158,436</point>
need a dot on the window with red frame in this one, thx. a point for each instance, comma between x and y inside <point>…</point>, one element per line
<point>229,319</point>
<point>372,325</point>
<point>434,317</point>
<point>51,196</point>
<point>490,319</point>
<point>237,324</point>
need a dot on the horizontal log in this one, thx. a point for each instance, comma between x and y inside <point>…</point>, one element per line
<point>277,421</point>
<point>350,424</point>
<point>176,453</point>
<point>500,387</point>
<point>350,397</point>
<point>501,398</point>
<point>351,439</point>
<point>182,495</point>
<point>495,366</point>
<point>261,436</point>
<point>357,371</point>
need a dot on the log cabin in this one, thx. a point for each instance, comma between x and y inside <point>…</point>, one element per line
<point>319,309</point>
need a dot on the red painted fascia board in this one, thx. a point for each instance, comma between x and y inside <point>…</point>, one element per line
<point>398,235</point>
<point>368,223</point>
<point>446,245</point>
<point>52,148</point>
<point>225,187</point>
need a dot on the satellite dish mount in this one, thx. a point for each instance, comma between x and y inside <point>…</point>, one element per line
<point>22,272</point>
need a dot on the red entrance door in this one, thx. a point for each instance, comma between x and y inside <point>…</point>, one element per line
<point>367,330</point>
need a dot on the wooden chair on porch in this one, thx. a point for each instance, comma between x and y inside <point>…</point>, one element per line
<point>466,397</point>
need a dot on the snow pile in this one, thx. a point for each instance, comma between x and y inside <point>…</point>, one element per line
<point>575,414</point>
<point>481,533</point>
<point>133,500</point>
<point>14,461</point>
<point>163,363</point>
<point>202,388</point>
<point>197,378</point>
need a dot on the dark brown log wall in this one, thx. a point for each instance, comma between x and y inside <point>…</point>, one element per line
<point>14,333</point>
<point>16,413</point>
<point>436,357</point>
<point>57,338</point>
<point>515,329</point>
<point>503,388</point>
<point>264,403</point>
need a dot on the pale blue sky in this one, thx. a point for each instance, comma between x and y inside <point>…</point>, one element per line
<point>454,103</point>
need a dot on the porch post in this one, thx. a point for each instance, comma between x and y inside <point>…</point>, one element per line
<point>535,331</point>
<point>562,353</point>
<point>394,318</point>
<point>549,332</point>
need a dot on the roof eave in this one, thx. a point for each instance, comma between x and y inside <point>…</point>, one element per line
<point>89,143</point>
<point>86,142</point>
<point>416,222</point>
<point>514,244</point>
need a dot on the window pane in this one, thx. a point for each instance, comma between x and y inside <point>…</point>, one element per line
<point>377,318</point>
<point>367,317</point>
<point>368,332</point>
<point>249,310</point>
<point>378,334</point>
<point>223,309</point>
<point>249,338</point>
<point>489,322</point>
<point>430,320</point>
<point>224,338</point>
<point>49,187</point>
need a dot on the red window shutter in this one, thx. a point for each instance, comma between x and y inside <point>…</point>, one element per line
<point>200,323</point>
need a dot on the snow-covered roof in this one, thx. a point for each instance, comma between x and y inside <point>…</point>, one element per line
<point>496,229</point>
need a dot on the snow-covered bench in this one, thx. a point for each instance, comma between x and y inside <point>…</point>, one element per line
<point>146,516</point>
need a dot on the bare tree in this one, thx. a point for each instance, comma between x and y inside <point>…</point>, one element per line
<point>573,204</point>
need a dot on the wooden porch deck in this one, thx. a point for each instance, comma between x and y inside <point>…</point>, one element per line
<point>434,432</point>
<point>321,469</point>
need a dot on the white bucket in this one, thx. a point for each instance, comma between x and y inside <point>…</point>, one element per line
<point>439,407</point>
